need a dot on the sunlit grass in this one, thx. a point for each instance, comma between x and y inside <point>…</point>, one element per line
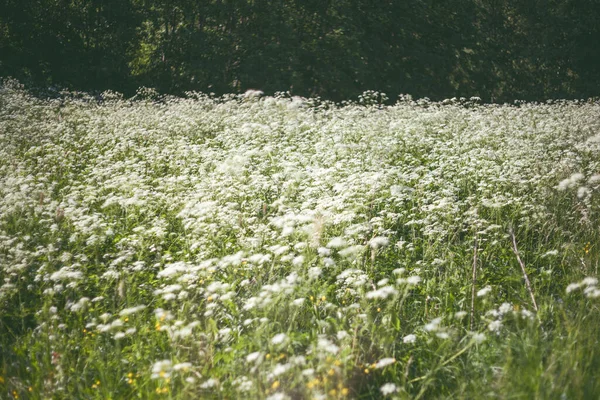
<point>260,247</point>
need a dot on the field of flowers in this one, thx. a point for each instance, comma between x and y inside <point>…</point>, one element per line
<point>286,248</point>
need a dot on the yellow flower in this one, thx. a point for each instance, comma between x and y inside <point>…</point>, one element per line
<point>331,372</point>
<point>332,392</point>
<point>275,385</point>
<point>323,298</point>
<point>366,370</point>
<point>345,392</point>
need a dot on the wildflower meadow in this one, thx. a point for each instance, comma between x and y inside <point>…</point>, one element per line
<point>258,247</point>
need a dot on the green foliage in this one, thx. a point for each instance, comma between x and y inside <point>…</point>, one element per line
<point>273,247</point>
<point>498,50</point>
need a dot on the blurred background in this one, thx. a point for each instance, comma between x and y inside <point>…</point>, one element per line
<point>499,50</point>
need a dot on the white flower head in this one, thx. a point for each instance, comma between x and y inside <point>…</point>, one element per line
<point>336,243</point>
<point>460,314</point>
<point>210,383</point>
<point>298,302</point>
<point>252,357</point>
<point>131,310</point>
<point>278,396</point>
<point>479,337</point>
<point>495,326</point>
<point>327,346</point>
<point>278,339</point>
<point>484,292</point>
<point>409,338</point>
<point>384,362</point>
<point>413,280</point>
<point>388,388</point>
<point>433,325</point>
<point>378,242</point>
<point>573,286</point>
<point>341,335</point>
<point>314,273</point>
<point>161,369</point>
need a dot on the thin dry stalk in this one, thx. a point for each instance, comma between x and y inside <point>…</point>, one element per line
<point>516,251</point>
<point>473,283</point>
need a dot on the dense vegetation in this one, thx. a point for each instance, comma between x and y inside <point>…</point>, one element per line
<point>279,247</point>
<point>498,50</point>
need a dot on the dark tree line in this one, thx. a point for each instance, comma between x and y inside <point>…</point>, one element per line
<point>495,49</point>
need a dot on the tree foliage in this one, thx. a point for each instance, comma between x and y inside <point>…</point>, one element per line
<point>494,49</point>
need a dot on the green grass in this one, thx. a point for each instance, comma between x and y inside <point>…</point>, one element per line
<point>179,248</point>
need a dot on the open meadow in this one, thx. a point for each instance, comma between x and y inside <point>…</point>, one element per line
<point>252,247</point>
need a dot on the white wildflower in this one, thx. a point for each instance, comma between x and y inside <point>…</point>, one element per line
<point>278,339</point>
<point>409,339</point>
<point>442,335</point>
<point>378,242</point>
<point>278,396</point>
<point>298,260</point>
<point>279,369</point>
<point>210,383</point>
<point>382,293</point>
<point>573,286</point>
<point>388,388</point>
<point>505,308</point>
<point>433,325</point>
<point>314,272</point>
<point>341,335</point>
<point>131,310</point>
<point>589,281</point>
<point>327,346</point>
<point>336,243</point>
<point>298,302</point>
<point>460,314</point>
<point>161,369</point>
<point>252,357</point>
<point>384,362</point>
<point>495,326</point>
<point>479,338</point>
<point>484,292</point>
